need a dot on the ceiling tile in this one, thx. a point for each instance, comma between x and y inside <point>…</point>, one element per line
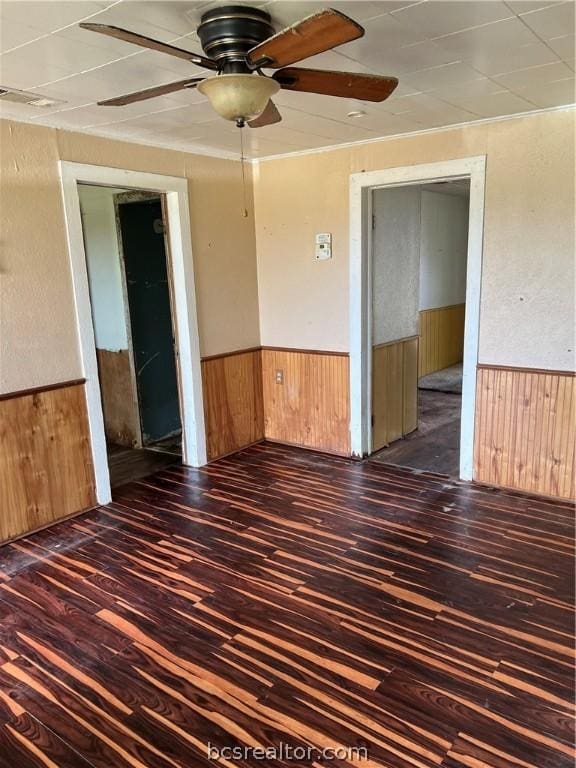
<point>408,59</point>
<point>560,92</point>
<point>384,33</point>
<point>553,21</point>
<point>49,15</point>
<point>132,74</point>
<point>544,74</point>
<point>496,37</point>
<point>84,36</point>
<point>463,94</point>
<point>435,112</point>
<point>94,115</point>
<point>443,18</point>
<point>52,57</point>
<point>527,6</point>
<point>11,111</point>
<point>163,20</point>
<point>318,125</point>
<point>191,115</point>
<point>564,47</point>
<point>439,77</point>
<point>14,34</point>
<point>78,89</point>
<point>286,13</point>
<point>77,117</point>
<point>18,71</point>
<point>495,104</point>
<point>510,59</point>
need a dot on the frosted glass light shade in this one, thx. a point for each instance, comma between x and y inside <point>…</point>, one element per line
<point>238,97</point>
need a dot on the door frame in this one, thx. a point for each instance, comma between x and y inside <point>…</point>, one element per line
<point>181,275</point>
<point>361,186</point>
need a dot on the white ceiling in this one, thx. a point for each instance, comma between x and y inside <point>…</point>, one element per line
<point>457,61</point>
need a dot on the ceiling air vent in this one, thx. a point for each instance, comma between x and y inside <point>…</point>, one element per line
<point>31,99</point>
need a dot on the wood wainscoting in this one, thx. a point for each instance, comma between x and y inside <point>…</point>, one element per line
<point>394,391</point>
<point>441,338</point>
<point>46,470</point>
<point>232,388</point>
<point>311,407</point>
<point>525,430</point>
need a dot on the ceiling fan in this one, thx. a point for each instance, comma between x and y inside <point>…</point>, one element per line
<point>239,42</point>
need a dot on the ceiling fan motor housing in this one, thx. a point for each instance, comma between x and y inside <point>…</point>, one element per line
<point>229,32</point>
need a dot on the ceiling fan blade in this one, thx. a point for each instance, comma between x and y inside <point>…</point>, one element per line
<point>268,117</point>
<point>150,93</point>
<point>315,34</point>
<point>351,85</point>
<point>148,42</point>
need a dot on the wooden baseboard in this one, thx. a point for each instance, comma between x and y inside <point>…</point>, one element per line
<point>308,448</point>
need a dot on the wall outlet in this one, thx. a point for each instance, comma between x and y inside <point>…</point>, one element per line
<point>279,376</point>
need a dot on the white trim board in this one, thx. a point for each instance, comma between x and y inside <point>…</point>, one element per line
<point>361,186</point>
<point>180,266</point>
<point>222,154</point>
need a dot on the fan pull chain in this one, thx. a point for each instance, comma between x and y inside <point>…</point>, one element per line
<point>245,210</point>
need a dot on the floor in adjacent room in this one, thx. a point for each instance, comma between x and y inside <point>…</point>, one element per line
<point>435,445</point>
<point>126,464</point>
<point>280,595</point>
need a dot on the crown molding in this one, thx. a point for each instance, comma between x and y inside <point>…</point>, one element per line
<point>201,150</point>
<point>226,155</point>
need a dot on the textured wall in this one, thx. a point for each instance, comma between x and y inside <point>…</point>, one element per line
<point>443,249</point>
<point>38,341</point>
<point>528,267</point>
<point>104,270</point>
<point>395,264</point>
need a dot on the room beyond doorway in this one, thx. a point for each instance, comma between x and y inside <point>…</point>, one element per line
<point>418,266</point>
<point>362,188</point>
<point>127,263</point>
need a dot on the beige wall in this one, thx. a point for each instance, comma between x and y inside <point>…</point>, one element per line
<point>38,341</point>
<point>527,304</point>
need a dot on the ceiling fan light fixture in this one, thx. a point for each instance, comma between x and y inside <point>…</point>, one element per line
<point>239,97</point>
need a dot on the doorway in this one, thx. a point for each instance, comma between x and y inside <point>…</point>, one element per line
<point>173,192</point>
<point>398,366</point>
<point>418,266</point>
<point>127,257</point>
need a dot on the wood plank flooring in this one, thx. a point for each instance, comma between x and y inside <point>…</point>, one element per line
<point>284,596</point>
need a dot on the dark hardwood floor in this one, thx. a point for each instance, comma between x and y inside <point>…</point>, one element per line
<point>284,596</point>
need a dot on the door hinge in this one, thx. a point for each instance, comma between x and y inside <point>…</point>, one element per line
<point>373,221</point>
<point>372,420</point>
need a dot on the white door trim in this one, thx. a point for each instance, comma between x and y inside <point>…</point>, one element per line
<point>361,186</point>
<point>182,276</point>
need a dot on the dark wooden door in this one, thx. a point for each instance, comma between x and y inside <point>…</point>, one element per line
<point>143,245</point>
